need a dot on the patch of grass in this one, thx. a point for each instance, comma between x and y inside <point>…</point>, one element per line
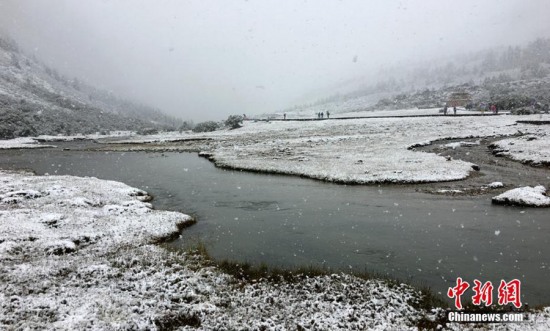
<point>176,320</point>
<point>426,302</point>
<point>429,300</point>
<point>199,249</point>
<point>248,273</point>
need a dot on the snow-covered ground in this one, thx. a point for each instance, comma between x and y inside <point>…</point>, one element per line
<point>533,149</point>
<point>408,112</point>
<point>524,196</point>
<point>97,135</point>
<point>371,150</point>
<point>37,142</point>
<point>25,142</point>
<point>357,112</point>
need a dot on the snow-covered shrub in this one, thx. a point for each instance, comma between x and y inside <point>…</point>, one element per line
<point>234,121</point>
<point>147,131</point>
<point>207,126</point>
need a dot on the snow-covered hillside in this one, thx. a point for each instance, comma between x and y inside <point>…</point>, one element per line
<point>511,78</point>
<point>35,99</point>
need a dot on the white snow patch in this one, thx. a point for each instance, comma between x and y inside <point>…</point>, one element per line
<point>369,150</point>
<point>462,143</point>
<point>533,148</point>
<point>17,143</point>
<point>524,196</point>
<point>347,151</point>
<point>449,191</point>
<point>92,136</point>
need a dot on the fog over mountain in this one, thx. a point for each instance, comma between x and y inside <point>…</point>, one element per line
<point>205,60</point>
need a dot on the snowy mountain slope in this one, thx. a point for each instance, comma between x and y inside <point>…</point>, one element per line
<point>35,99</point>
<point>511,78</point>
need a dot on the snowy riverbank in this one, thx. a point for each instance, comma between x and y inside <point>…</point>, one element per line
<point>380,150</point>
<point>531,149</point>
<point>25,142</point>
<point>38,142</point>
<point>80,253</point>
<point>354,151</point>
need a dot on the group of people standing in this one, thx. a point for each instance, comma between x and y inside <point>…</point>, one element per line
<point>489,107</point>
<point>321,115</point>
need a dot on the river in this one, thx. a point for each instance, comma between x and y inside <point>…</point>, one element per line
<point>424,239</point>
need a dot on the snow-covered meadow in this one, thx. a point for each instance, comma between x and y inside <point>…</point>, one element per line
<point>532,149</point>
<point>375,150</point>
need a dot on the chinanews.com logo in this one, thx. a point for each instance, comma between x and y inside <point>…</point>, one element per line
<point>509,293</point>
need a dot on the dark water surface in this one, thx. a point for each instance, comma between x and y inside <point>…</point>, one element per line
<point>289,221</point>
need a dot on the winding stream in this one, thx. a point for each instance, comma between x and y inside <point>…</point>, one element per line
<point>288,221</point>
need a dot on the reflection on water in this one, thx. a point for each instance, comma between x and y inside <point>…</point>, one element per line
<point>289,221</point>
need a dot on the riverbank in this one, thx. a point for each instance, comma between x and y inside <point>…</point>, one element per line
<point>80,253</point>
<point>496,165</point>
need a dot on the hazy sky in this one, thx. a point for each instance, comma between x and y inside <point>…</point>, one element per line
<point>207,59</point>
